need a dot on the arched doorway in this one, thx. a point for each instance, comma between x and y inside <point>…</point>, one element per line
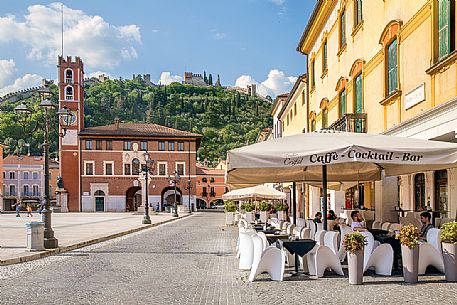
<point>99,201</point>
<point>168,198</point>
<point>131,200</point>
<point>201,204</point>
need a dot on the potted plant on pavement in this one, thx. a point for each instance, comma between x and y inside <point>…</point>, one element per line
<point>248,208</point>
<point>448,237</point>
<point>354,244</point>
<point>264,207</point>
<point>230,208</point>
<point>409,240</point>
<point>281,214</point>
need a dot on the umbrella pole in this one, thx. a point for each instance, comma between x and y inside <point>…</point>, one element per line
<point>294,203</point>
<point>324,194</point>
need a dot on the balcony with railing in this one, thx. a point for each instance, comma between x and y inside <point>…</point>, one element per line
<point>31,194</point>
<point>9,194</point>
<point>212,194</point>
<point>351,122</point>
<point>204,194</point>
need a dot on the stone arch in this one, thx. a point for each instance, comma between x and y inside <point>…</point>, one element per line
<point>324,103</point>
<point>356,68</point>
<point>390,32</point>
<point>341,84</point>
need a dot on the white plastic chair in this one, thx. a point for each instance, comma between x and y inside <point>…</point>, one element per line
<point>395,227</point>
<point>264,240</point>
<point>322,259</point>
<point>430,252</point>
<point>246,250</point>
<point>331,241</point>
<point>290,229</point>
<point>305,233</point>
<point>344,230</point>
<point>273,262</point>
<point>382,259</point>
<point>319,237</point>
<point>248,217</point>
<point>257,249</point>
<point>242,223</point>
<point>385,226</point>
<point>376,225</point>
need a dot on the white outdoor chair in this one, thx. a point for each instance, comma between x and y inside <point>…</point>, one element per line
<point>344,230</point>
<point>319,226</point>
<point>319,237</point>
<point>385,226</point>
<point>395,227</point>
<point>305,233</point>
<point>242,223</point>
<point>297,231</point>
<point>430,252</point>
<point>376,225</point>
<point>290,229</point>
<point>246,249</point>
<point>248,217</point>
<point>331,241</point>
<point>273,262</point>
<point>382,259</point>
<point>264,239</point>
<point>312,226</point>
<point>257,249</point>
<point>322,259</point>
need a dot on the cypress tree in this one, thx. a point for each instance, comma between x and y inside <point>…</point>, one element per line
<point>210,80</point>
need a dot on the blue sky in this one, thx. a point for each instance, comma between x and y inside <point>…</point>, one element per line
<point>244,41</point>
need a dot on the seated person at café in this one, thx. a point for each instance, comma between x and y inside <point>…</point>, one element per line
<point>357,221</point>
<point>318,218</point>
<point>426,225</point>
<point>331,215</point>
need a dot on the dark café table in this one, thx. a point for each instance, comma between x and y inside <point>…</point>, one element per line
<point>383,237</point>
<point>298,247</point>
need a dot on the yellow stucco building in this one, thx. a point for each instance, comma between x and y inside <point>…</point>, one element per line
<point>386,67</point>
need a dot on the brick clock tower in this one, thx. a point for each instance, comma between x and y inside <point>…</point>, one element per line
<point>71,95</point>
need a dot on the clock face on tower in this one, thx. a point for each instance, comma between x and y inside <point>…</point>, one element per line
<point>74,119</point>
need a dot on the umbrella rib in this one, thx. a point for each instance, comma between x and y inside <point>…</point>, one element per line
<point>377,164</point>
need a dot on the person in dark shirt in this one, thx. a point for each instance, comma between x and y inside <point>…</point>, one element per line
<point>426,225</point>
<point>318,217</point>
<point>331,215</point>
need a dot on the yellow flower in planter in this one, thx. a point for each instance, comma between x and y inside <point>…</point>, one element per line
<point>409,236</point>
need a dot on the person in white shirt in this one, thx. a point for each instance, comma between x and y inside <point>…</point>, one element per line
<point>357,221</point>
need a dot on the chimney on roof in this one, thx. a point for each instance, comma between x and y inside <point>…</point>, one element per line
<point>116,123</point>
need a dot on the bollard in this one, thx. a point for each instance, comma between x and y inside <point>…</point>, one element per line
<point>35,236</point>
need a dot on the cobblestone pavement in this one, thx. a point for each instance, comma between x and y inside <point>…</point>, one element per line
<point>191,261</point>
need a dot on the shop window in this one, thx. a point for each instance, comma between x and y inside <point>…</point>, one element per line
<point>419,192</point>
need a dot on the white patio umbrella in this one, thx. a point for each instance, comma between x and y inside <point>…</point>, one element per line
<point>336,156</point>
<point>258,192</point>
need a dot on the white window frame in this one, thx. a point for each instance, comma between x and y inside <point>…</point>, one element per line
<point>184,167</point>
<point>69,97</point>
<point>158,168</point>
<point>23,175</point>
<point>123,169</point>
<point>15,190</point>
<point>104,167</point>
<point>93,168</point>
<point>12,175</point>
<point>65,76</point>
<point>38,189</point>
<point>23,189</point>
<point>37,176</point>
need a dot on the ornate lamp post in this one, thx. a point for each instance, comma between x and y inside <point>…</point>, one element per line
<point>148,168</point>
<point>174,180</point>
<point>189,186</point>
<point>24,115</point>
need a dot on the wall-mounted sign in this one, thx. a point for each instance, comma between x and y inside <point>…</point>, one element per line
<point>415,97</point>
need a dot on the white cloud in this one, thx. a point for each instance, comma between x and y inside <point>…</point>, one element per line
<point>220,36</point>
<point>24,82</point>
<point>278,2</point>
<point>276,83</point>
<point>100,44</point>
<point>8,69</point>
<point>166,78</point>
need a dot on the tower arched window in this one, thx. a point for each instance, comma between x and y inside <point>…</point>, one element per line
<point>68,76</point>
<point>69,93</point>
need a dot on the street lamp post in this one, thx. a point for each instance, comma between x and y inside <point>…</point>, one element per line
<point>174,180</point>
<point>189,186</point>
<point>24,116</point>
<point>149,167</point>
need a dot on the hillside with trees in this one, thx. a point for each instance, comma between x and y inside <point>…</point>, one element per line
<point>226,118</point>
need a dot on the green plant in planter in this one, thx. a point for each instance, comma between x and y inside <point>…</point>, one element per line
<point>280,207</point>
<point>249,207</point>
<point>353,242</point>
<point>264,206</point>
<point>448,233</point>
<point>408,236</point>
<point>230,206</point>
<point>243,206</point>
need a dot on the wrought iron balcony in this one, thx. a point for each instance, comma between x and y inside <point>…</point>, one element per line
<point>212,194</point>
<point>351,122</point>
<point>31,194</point>
<point>204,194</point>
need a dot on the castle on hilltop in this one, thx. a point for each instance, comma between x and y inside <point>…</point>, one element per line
<point>199,80</point>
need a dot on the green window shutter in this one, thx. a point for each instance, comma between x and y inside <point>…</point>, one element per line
<point>343,29</point>
<point>359,11</point>
<point>342,103</point>
<point>358,94</point>
<point>392,76</point>
<point>444,16</point>
<point>325,55</point>
<point>313,82</point>
<point>324,118</point>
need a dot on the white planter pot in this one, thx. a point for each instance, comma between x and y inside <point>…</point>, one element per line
<point>450,261</point>
<point>281,215</point>
<point>229,218</point>
<point>355,266</point>
<point>263,216</point>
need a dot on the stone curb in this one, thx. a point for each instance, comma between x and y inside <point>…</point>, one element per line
<point>41,254</point>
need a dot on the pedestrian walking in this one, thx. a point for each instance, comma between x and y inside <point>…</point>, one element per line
<point>41,206</point>
<point>29,210</point>
<point>18,209</point>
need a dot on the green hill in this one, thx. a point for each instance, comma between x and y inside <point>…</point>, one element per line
<point>226,118</point>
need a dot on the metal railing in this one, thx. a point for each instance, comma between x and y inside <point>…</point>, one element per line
<point>351,122</point>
